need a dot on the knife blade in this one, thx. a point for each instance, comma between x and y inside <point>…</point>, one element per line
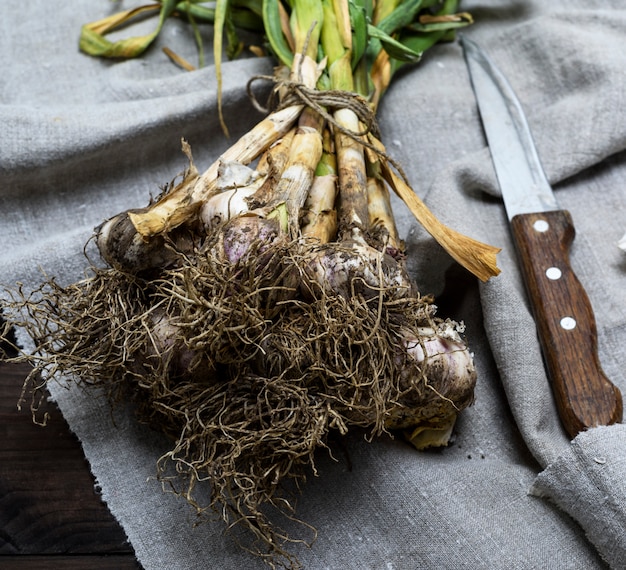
<point>543,233</point>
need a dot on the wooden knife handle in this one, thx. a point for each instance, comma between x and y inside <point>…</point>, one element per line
<point>566,325</point>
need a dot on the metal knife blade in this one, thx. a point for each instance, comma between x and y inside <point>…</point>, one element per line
<point>543,234</point>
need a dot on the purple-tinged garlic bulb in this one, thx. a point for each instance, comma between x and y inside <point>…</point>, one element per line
<point>352,267</point>
<point>439,376</point>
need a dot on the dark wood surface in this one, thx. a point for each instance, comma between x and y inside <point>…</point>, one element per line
<point>51,516</point>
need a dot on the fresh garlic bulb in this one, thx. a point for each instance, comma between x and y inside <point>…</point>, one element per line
<point>236,183</point>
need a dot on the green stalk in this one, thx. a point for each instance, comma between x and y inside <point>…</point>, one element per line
<point>274,32</point>
<point>93,42</point>
<point>353,213</point>
<point>245,16</point>
<point>383,9</point>
<point>307,17</point>
<point>335,49</point>
<point>365,43</point>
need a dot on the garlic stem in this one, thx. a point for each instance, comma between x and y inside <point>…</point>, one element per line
<point>381,218</point>
<point>296,180</point>
<point>353,214</point>
<point>320,216</point>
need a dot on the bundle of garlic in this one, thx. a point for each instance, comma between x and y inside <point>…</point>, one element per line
<point>256,308</point>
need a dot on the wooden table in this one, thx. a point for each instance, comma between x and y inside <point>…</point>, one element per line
<point>51,517</point>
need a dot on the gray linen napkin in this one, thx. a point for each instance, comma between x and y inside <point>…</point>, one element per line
<point>82,139</point>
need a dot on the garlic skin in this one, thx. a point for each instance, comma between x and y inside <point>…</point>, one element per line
<point>353,267</point>
<point>622,243</point>
<point>428,416</point>
<point>246,236</point>
<point>225,206</point>
<point>235,175</point>
<point>122,247</point>
<point>236,183</point>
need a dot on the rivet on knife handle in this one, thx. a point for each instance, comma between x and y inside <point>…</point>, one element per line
<point>565,322</point>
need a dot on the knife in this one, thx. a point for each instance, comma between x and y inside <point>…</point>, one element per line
<point>543,233</point>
